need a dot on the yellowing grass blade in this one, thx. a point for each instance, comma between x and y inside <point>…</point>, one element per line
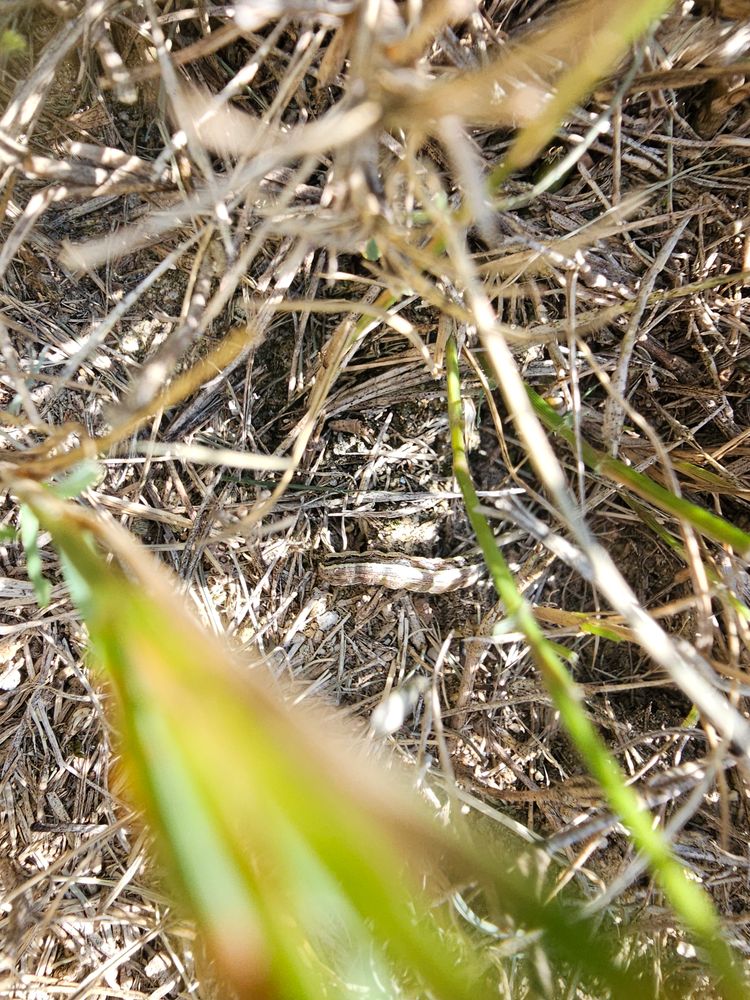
<point>604,31</point>
<point>534,82</point>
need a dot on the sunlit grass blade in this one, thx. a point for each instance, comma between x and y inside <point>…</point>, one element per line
<point>89,448</point>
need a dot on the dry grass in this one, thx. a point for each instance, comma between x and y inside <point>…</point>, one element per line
<point>288,229</point>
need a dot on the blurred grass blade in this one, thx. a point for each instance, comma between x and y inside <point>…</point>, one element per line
<point>29,532</point>
<point>78,480</point>
<point>285,837</point>
<point>604,31</point>
<point>302,858</point>
<point>535,82</point>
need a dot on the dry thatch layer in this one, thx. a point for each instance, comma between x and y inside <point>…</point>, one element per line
<point>260,218</point>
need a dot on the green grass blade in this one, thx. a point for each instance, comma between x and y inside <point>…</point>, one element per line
<point>689,901</point>
<point>704,521</point>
